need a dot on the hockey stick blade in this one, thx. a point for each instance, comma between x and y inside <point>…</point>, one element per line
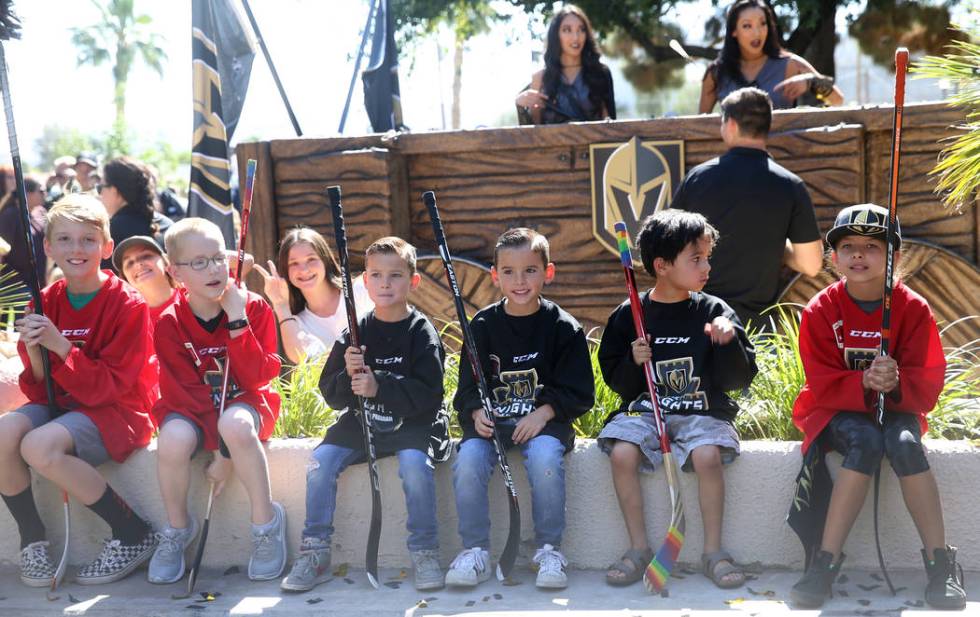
<point>509,556</point>
<point>59,573</point>
<point>199,553</point>
<point>374,532</point>
<point>658,570</point>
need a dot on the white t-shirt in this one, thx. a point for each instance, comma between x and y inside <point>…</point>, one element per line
<point>318,334</point>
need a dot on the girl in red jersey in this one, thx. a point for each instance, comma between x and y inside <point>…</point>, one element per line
<point>840,335</point>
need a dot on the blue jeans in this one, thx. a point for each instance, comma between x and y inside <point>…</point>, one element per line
<point>418,482</point>
<point>545,464</point>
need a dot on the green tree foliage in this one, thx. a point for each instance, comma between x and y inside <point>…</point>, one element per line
<point>56,140</point>
<point>959,165</point>
<point>119,38</point>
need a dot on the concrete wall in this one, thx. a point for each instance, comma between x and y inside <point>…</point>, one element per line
<point>760,485</point>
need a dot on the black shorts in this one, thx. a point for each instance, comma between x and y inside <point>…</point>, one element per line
<point>862,443</point>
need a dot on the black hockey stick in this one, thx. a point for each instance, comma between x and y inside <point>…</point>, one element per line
<point>374,533</point>
<point>10,29</point>
<point>901,68</point>
<point>205,527</point>
<point>507,558</point>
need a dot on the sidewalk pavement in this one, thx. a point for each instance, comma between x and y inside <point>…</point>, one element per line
<point>859,593</point>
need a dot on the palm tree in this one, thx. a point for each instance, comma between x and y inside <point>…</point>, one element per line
<point>959,166</point>
<point>119,38</point>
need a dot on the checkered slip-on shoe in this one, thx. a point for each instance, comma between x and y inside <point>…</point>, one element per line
<point>36,569</point>
<point>117,561</point>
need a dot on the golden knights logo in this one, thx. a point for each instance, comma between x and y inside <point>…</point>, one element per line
<point>515,397</point>
<point>631,181</point>
<point>867,222</point>
<point>681,386</point>
<point>858,358</point>
<point>215,379</point>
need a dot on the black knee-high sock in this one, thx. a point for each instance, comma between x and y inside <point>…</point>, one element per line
<point>126,525</point>
<point>24,511</point>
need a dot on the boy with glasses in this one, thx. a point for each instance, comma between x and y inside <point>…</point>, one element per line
<point>212,326</point>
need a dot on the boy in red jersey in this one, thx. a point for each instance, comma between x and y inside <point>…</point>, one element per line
<point>214,324</point>
<point>95,332</point>
<point>840,334</point>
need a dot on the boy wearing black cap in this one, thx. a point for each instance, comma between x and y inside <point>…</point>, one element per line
<point>840,335</point>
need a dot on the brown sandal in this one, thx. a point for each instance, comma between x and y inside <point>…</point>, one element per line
<point>639,560</point>
<point>719,564</point>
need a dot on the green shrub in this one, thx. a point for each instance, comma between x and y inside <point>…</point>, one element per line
<point>303,413</point>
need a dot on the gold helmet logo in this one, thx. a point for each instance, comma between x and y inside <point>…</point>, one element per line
<point>866,222</point>
<point>631,181</point>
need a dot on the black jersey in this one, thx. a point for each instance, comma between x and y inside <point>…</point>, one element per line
<point>693,376</point>
<point>528,362</point>
<point>407,359</point>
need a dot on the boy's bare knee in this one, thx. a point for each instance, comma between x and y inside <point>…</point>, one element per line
<point>236,431</point>
<point>706,459</point>
<point>40,450</point>
<point>625,456</point>
<point>13,428</point>
<point>175,446</point>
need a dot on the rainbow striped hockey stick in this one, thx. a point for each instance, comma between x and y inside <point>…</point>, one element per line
<point>658,570</point>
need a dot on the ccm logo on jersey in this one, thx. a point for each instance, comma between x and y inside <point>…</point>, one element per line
<point>387,361</point>
<point>864,334</point>
<point>669,340</point>
<point>78,332</point>
<point>211,351</point>
<point>525,357</point>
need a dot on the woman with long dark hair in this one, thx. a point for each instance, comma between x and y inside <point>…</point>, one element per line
<point>128,192</point>
<point>304,290</point>
<point>752,56</point>
<point>574,85</point>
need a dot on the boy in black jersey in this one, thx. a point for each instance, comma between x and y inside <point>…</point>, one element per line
<point>700,351</point>
<point>537,364</point>
<point>398,372</point>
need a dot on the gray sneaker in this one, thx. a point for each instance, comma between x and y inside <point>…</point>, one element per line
<point>428,574</point>
<point>167,564</point>
<point>551,568</point>
<point>311,568</point>
<point>36,569</point>
<point>269,547</point>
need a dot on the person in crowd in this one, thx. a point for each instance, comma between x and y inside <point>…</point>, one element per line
<point>840,333</point>
<point>700,352</point>
<point>215,326</point>
<point>763,212</point>
<point>752,56</point>
<point>397,373</point>
<point>128,193</point>
<point>574,85</point>
<point>537,365</point>
<point>95,330</point>
<point>12,228</point>
<point>308,302</point>
<point>64,173</point>
<point>86,164</point>
<point>143,264</point>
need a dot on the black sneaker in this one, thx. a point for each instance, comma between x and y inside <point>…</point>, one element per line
<point>814,588</point>
<point>945,587</point>
<point>36,569</point>
<point>117,561</point>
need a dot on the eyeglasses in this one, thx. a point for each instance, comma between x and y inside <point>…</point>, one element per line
<point>201,263</point>
<point>99,187</point>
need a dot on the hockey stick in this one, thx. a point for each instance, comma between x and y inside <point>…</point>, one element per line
<point>901,68</point>
<point>658,571</point>
<point>374,533</point>
<point>246,210</point>
<point>507,558</point>
<point>10,29</point>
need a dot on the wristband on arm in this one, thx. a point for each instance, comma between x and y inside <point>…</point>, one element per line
<point>822,86</point>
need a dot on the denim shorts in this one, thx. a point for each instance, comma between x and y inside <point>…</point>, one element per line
<point>863,443</point>
<point>686,432</point>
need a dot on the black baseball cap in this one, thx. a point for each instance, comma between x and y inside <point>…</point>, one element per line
<point>863,220</point>
<point>128,243</point>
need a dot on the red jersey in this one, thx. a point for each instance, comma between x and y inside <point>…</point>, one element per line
<point>838,340</point>
<point>192,360</point>
<point>156,311</point>
<point>106,375</point>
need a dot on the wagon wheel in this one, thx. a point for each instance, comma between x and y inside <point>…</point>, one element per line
<point>947,281</point>
<point>434,298</point>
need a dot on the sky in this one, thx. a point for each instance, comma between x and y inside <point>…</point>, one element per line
<point>312,43</point>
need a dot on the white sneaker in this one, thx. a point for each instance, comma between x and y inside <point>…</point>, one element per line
<point>551,568</point>
<point>470,568</point>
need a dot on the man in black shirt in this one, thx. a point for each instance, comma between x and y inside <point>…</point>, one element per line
<point>762,211</point>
